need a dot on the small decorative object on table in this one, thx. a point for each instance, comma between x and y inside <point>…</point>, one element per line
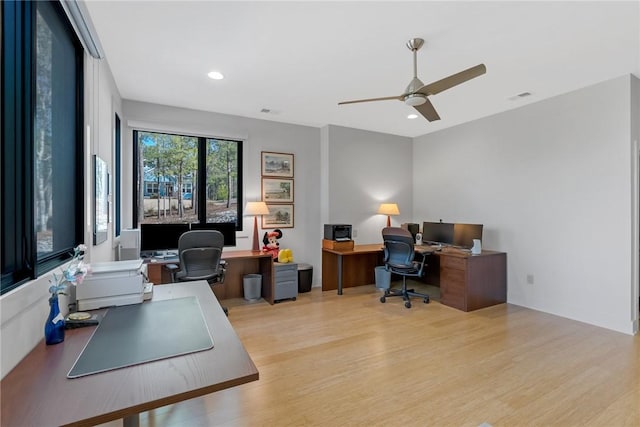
<point>285,256</point>
<point>271,244</point>
<point>74,273</point>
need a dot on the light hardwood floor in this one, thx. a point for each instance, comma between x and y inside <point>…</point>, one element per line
<point>329,360</point>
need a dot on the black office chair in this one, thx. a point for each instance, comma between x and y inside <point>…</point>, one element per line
<point>399,255</point>
<point>200,253</point>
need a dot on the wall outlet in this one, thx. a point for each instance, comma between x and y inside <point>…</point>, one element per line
<point>354,233</point>
<point>529,279</point>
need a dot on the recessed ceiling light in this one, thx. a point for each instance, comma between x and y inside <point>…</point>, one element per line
<point>215,75</point>
<point>412,116</point>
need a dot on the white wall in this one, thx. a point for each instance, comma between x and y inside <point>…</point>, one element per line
<point>551,182</point>
<point>25,309</point>
<point>366,169</point>
<point>258,136</point>
<point>102,102</point>
<point>635,197</point>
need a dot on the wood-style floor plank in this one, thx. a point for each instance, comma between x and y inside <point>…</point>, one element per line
<point>329,360</point>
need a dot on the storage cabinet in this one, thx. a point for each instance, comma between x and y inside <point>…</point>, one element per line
<point>286,281</point>
<point>470,282</point>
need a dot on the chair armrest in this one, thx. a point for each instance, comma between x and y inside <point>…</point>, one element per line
<point>422,263</point>
<point>172,267</point>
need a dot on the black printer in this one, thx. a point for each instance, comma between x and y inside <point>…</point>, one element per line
<point>337,232</point>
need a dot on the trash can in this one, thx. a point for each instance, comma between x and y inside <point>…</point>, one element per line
<point>252,284</point>
<point>305,277</point>
<point>383,277</point>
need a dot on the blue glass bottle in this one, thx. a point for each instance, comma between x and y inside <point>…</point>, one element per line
<point>54,328</point>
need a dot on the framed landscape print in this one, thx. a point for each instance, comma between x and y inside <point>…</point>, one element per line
<point>277,164</point>
<point>277,190</point>
<point>280,216</point>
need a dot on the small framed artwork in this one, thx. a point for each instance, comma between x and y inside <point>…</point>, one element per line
<point>277,164</point>
<point>277,190</point>
<point>100,200</point>
<point>279,216</point>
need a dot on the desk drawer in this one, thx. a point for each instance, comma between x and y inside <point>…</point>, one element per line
<point>453,288</point>
<point>286,289</point>
<point>452,277</point>
<point>453,262</point>
<point>283,276</point>
<point>281,268</point>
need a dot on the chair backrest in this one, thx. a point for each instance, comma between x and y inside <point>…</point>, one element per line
<point>398,247</point>
<point>200,252</point>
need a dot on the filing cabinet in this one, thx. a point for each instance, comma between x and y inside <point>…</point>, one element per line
<point>286,281</point>
<point>470,282</point>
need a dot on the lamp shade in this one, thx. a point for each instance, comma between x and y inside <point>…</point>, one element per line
<point>256,208</point>
<point>389,209</point>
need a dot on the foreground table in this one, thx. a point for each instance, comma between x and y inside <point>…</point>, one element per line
<point>37,391</point>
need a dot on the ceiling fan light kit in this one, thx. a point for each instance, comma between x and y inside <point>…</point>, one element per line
<point>415,99</point>
<point>416,93</point>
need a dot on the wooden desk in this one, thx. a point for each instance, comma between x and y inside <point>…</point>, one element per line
<point>37,391</point>
<point>467,282</point>
<point>239,263</point>
<point>358,268</point>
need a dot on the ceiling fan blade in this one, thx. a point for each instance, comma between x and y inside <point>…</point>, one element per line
<point>428,111</point>
<point>399,98</point>
<point>452,80</point>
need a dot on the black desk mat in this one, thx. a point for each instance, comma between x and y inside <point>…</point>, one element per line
<point>133,334</point>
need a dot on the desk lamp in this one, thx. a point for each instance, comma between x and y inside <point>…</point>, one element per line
<point>388,209</point>
<point>255,209</point>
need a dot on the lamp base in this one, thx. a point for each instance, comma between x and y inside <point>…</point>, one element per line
<point>388,220</point>
<point>256,242</point>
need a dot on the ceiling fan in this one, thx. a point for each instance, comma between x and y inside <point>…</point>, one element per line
<point>415,95</point>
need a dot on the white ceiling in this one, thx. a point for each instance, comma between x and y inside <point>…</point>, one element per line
<point>299,59</point>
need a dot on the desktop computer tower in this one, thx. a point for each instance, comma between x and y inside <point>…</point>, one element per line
<point>412,228</point>
<point>129,247</point>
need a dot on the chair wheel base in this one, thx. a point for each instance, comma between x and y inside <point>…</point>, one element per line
<point>406,296</point>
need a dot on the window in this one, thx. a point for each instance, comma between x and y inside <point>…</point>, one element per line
<point>187,179</point>
<point>118,173</point>
<point>42,170</point>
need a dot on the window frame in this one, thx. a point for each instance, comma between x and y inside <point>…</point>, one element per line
<point>19,259</point>
<point>201,182</point>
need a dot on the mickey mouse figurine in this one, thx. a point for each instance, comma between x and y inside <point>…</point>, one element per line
<point>271,244</point>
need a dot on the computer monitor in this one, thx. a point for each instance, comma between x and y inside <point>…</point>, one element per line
<point>437,232</point>
<point>228,230</point>
<point>161,237</point>
<point>464,234</point>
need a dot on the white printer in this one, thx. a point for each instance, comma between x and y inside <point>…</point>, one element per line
<point>112,283</point>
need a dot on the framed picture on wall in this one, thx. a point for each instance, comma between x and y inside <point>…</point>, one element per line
<point>277,190</point>
<point>100,200</point>
<point>277,164</point>
<point>280,216</point>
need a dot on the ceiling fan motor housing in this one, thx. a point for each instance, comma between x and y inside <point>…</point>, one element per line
<point>415,99</point>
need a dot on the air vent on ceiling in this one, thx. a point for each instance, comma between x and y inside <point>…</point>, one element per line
<point>520,96</point>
